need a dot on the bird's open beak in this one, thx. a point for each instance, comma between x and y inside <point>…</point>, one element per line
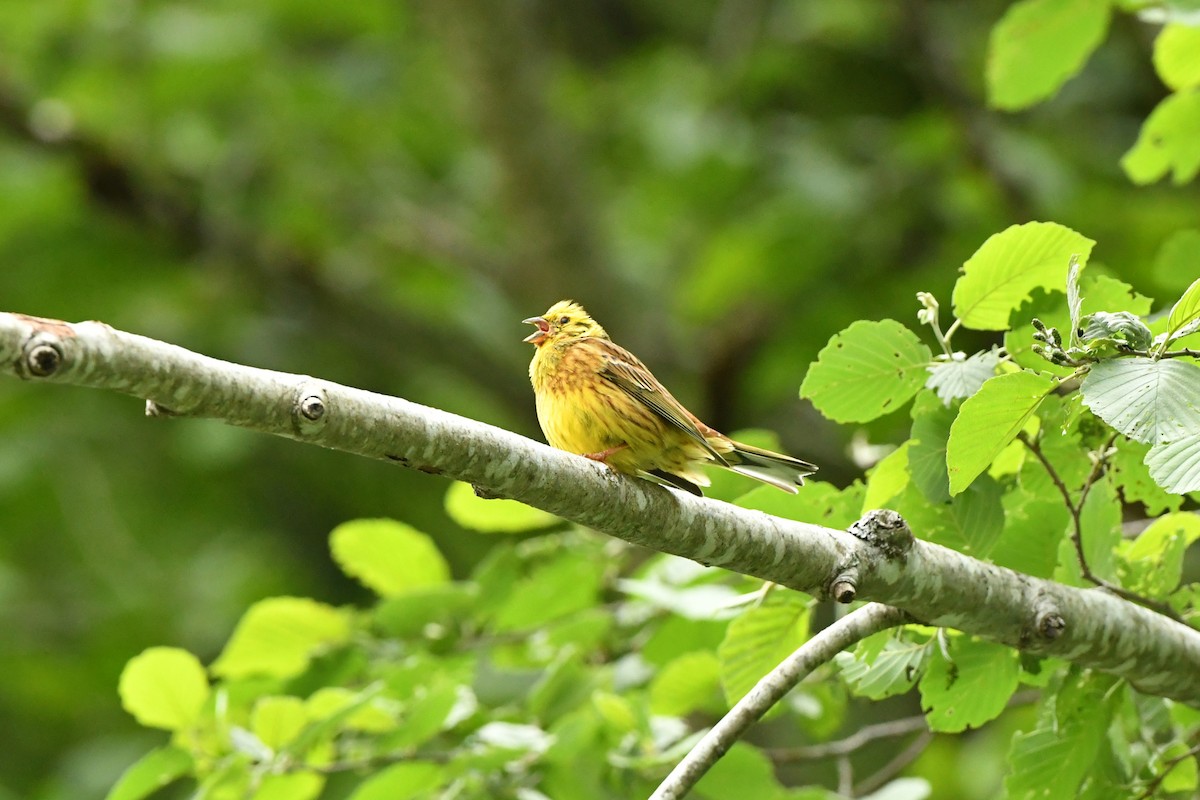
<point>538,336</point>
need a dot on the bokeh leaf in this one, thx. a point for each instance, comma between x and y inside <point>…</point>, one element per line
<point>760,638</point>
<point>278,636</point>
<point>1177,55</point>
<point>164,687</point>
<point>151,772</point>
<point>493,516</point>
<point>1169,141</point>
<point>389,557</point>
<point>1038,45</point>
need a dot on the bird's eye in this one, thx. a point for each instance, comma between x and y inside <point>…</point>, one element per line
<point>564,320</point>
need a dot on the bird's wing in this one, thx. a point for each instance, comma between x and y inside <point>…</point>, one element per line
<point>624,370</point>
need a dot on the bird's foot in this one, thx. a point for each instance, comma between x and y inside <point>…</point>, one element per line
<point>603,455</point>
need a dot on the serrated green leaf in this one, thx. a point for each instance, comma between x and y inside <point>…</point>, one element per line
<point>686,684</point>
<point>1177,55</point>
<point>1038,45</point>
<point>290,786</point>
<point>820,503</point>
<point>970,689</point>
<point>151,772</point>
<point>405,781</point>
<point>1186,310</point>
<point>1131,475</point>
<point>927,454</point>
<point>961,377</point>
<point>388,557</point>
<point>493,516</point>
<point>979,516</point>
<point>278,636</point>
<point>1100,521</point>
<point>552,590</point>
<point>1006,269</point>
<point>894,670</point>
<point>1034,525</point>
<point>988,421</point>
<point>744,772</point>
<point>1147,400</point>
<point>868,370</point>
<point>1176,466</point>
<point>1153,562</point>
<point>1169,141</point>
<point>1052,759</point>
<point>164,687</point>
<point>758,640</point>
<point>887,479</point>
<point>276,721</point>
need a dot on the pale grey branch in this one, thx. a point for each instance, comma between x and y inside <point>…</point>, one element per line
<point>934,584</point>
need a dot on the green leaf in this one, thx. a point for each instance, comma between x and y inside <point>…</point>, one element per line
<point>1169,141</point>
<point>961,376</point>
<point>493,516</point>
<point>164,687</point>
<point>1147,400</point>
<point>151,772</point>
<point>427,713</point>
<point>1100,521</point>
<point>758,640</point>
<point>970,689</point>
<point>978,516</point>
<point>866,371</point>
<point>1009,266</point>
<point>276,721</point>
<point>893,671</point>
<point>405,781</point>
<point>388,557</point>
<point>744,773</point>
<point>1130,474</point>
<point>1185,312</point>
<point>1176,466</point>
<point>988,421</point>
<point>1034,525</point>
<point>1038,45</point>
<point>1119,326</point>
<point>1177,55</point>
<point>820,503</point>
<point>686,684</point>
<point>927,453</point>
<point>887,478</point>
<point>290,786</point>
<point>1052,759</point>
<point>554,589</point>
<point>1153,562</point>
<point>278,636</point>
<point>1182,776</point>
<point>1177,259</point>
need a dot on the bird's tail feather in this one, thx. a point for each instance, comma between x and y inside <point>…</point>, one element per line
<point>776,469</point>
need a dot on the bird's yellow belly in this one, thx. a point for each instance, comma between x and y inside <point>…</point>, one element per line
<point>573,426</point>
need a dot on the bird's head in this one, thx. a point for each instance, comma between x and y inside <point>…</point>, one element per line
<point>564,320</point>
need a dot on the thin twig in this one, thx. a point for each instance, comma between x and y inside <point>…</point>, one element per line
<point>1168,765</point>
<point>855,741</point>
<point>1076,511</point>
<point>899,761</point>
<point>767,692</point>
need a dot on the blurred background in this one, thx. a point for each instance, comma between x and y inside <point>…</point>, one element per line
<point>377,192</point>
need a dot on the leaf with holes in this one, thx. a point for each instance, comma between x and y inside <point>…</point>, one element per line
<point>970,689</point>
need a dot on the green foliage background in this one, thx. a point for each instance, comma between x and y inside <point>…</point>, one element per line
<point>376,192</point>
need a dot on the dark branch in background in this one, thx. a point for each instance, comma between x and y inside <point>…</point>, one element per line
<point>892,768</point>
<point>500,54</point>
<point>121,186</point>
<point>818,650</point>
<point>1152,786</point>
<point>1075,507</point>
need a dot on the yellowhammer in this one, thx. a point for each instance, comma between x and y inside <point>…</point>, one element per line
<point>597,399</point>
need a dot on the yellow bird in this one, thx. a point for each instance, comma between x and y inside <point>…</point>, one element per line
<point>598,400</point>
